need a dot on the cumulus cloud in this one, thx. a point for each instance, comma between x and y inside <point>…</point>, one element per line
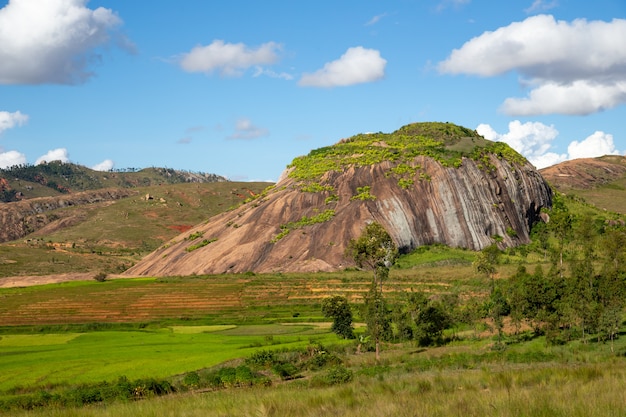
<point>575,68</point>
<point>598,144</point>
<point>105,165</point>
<point>10,120</point>
<point>59,154</point>
<point>53,41</point>
<point>230,59</point>
<point>357,65</point>
<point>534,141</point>
<point>244,129</point>
<point>11,158</point>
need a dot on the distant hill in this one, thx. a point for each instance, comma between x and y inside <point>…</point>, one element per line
<point>56,178</point>
<point>426,183</point>
<point>599,181</point>
<point>107,230</point>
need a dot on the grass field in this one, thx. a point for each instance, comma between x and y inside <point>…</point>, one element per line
<point>464,378</point>
<point>50,359</point>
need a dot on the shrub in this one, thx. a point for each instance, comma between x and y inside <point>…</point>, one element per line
<point>192,380</point>
<point>100,276</point>
<point>334,376</point>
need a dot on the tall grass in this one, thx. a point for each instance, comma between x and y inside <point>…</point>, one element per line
<point>547,391</point>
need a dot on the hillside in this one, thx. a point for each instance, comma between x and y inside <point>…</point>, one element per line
<point>426,183</point>
<point>57,178</point>
<point>599,181</point>
<point>107,230</point>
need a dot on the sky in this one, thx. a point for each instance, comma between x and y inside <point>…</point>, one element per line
<point>240,88</point>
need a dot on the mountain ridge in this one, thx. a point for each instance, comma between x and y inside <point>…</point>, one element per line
<point>55,178</point>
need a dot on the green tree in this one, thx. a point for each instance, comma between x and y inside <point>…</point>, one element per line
<point>498,308</point>
<point>561,223</point>
<point>486,261</point>
<point>375,250</point>
<point>338,309</point>
<point>377,318</point>
<point>431,321</point>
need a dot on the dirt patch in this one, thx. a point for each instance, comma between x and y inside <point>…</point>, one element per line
<point>181,228</point>
<point>30,280</point>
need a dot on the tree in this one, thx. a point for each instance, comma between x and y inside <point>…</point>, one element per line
<point>561,225</point>
<point>498,307</point>
<point>375,250</point>
<point>486,261</point>
<point>431,321</point>
<point>338,308</point>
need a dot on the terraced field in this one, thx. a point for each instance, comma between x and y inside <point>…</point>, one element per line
<point>212,299</point>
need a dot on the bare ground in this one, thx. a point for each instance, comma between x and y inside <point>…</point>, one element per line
<point>30,280</point>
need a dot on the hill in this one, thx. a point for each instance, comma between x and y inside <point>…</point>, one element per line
<point>56,178</point>
<point>426,183</point>
<point>599,181</point>
<point>106,230</point>
<point>33,191</point>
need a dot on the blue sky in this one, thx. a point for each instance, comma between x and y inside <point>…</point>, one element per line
<point>240,88</point>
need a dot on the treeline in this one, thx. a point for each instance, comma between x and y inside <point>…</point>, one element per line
<point>578,291</point>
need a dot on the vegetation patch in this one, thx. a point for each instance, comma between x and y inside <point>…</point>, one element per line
<point>445,142</point>
<point>304,221</point>
<point>363,194</point>
<point>200,245</point>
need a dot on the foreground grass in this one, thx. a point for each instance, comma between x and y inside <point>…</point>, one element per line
<point>541,390</point>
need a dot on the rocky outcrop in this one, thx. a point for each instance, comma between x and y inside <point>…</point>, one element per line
<point>21,218</point>
<point>292,228</point>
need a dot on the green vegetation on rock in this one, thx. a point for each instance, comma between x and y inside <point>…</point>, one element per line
<point>444,142</point>
<point>304,221</point>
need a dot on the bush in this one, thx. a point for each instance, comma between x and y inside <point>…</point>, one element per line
<point>262,359</point>
<point>334,376</point>
<point>100,276</point>
<point>192,380</point>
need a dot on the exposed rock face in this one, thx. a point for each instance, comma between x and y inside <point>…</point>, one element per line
<point>462,207</point>
<point>23,217</point>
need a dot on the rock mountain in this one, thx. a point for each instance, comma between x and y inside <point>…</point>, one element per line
<point>426,183</point>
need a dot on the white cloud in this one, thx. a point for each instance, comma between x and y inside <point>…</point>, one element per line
<point>456,4</point>
<point>11,158</point>
<point>244,129</point>
<point>578,98</point>
<point>534,141</point>
<point>59,154</point>
<point>598,144</point>
<point>52,41</point>
<point>541,5</point>
<point>376,19</point>
<point>105,165</point>
<point>576,67</point>
<point>357,65</point>
<point>10,120</point>
<point>258,71</point>
<point>230,59</point>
